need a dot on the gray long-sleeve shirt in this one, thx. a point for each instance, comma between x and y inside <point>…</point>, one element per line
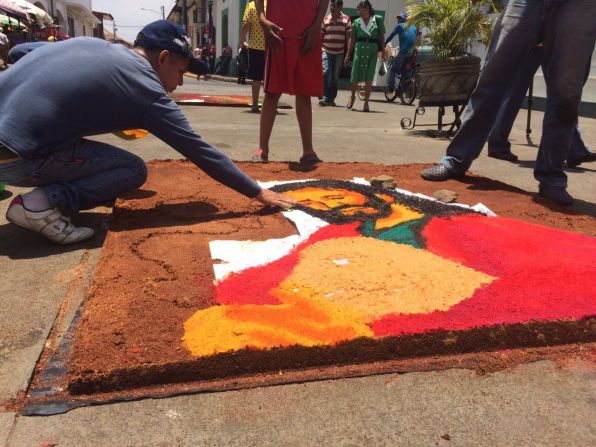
<point>81,87</point>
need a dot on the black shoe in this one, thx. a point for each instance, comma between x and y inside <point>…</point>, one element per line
<point>591,156</point>
<point>437,173</point>
<point>557,194</point>
<point>507,156</point>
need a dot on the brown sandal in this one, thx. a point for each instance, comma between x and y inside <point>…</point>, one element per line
<point>351,102</point>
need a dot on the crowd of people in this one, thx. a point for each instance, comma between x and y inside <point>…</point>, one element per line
<point>354,46</point>
<point>46,148</point>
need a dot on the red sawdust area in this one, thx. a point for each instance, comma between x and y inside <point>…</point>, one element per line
<point>155,272</point>
<point>197,99</point>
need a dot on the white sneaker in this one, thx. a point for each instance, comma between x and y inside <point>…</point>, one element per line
<point>50,223</point>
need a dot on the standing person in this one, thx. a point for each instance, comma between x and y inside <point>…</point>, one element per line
<point>522,25</point>
<point>368,38</point>
<point>293,65</point>
<point>102,88</point>
<point>498,141</point>
<point>336,29</point>
<point>226,58</point>
<point>256,50</point>
<point>211,55</point>
<point>4,47</point>
<point>407,41</point>
<point>242,64</point>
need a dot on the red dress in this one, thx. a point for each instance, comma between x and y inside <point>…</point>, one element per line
<point>289,70</point>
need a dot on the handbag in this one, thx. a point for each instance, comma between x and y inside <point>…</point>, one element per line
<point>383,69</point>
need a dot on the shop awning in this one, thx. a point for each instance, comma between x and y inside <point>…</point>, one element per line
<point>30,9</point>
<point>82,11</point>
<point>11,9</point>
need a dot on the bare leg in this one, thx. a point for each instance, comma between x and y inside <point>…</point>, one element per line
<point>256,88</point>
<point>367,90</point>
<point>304,115</point>
<point>353,88</point>
<point>268,115</point>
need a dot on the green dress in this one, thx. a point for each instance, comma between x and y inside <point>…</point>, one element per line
<point>366,49</point>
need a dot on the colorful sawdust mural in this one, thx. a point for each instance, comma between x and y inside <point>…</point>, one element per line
<point>390,264</point>
<point>195,99</point>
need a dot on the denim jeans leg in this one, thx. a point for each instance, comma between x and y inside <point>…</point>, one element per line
<point>516,33</point>
<point>337,65</point>
<point>327,73</point>
<point>569,36</point>
<point>498,140</point>
<point>578,148</point>
<point>396,65</point>
<point>86,174</point>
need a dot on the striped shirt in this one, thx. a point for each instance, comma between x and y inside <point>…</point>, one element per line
<point>335,32</point>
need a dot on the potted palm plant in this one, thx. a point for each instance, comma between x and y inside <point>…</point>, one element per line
<point>450,77</point>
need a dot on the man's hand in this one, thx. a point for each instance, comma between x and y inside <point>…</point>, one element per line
<point>310,36</point>
<point>271,198</point>
<point>244,44</point>
<point>271,31</point>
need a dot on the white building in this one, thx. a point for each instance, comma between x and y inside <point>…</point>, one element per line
<point>73,16</point>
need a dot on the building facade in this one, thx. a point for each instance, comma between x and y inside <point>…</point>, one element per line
<point>74,17</point>
<point>198,17</point>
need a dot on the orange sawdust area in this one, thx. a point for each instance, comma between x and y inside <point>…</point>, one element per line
<point>196,99</point>
<point>155,274</point>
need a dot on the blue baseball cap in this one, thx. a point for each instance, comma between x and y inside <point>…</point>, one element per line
<point>166,35</point>
<point>403,16</point>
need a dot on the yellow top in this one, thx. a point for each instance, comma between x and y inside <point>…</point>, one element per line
<point>257,38</point>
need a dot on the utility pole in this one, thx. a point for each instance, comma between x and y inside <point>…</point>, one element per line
<point>185,15</point>
<point>163,12</point>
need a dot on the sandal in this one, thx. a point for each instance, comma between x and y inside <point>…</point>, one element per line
<point>310,158</point>
<point>260,156</point>
<point>351,102</point>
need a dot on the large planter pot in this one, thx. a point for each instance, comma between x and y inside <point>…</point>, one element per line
<point>448,82</point>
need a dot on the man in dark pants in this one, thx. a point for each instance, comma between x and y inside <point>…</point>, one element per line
<point>523,24</point>
<point>498,140</point>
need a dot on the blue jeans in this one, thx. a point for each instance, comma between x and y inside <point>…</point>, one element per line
<point>332,64</point>
<point>498,140</point>
<point>81,176</point>
<point>568,31</point>
<point>396,67</point>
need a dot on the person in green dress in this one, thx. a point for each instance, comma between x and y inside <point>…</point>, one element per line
<point>368,37</point>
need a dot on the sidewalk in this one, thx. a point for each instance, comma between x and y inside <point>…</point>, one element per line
<point>543,403</point>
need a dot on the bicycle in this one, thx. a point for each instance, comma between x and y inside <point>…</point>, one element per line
<point>408,87</point>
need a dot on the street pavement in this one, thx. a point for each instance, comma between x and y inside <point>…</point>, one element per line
<point>541,403</point>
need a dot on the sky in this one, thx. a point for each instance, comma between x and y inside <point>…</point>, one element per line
<point>129,16</point>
